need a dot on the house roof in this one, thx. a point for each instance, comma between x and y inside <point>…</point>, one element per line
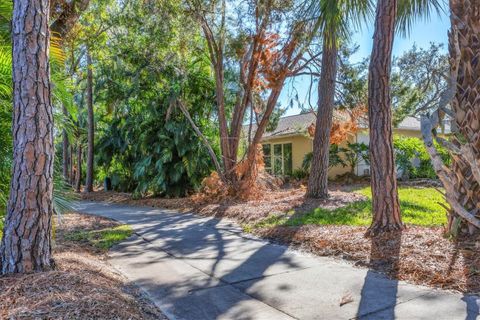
<point>298,124</point>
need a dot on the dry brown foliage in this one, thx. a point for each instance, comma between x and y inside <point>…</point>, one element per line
<point>250,184</point>
<point>345,124</point>
<point>83,286</point>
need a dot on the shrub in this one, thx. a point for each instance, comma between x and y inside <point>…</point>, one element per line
<point>412,157</point>
<point>334,158</point>
<point>354,153</point>
<point>299,174</point>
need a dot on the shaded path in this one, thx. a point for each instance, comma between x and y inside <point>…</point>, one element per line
<point>203,268</point>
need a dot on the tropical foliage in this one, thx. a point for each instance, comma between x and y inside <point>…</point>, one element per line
<point>412,157</point>
<point>145,143</point>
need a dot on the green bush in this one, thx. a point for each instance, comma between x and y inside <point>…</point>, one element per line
<point>299,174</point>
<point>334,159</point>
<point>407,149</point>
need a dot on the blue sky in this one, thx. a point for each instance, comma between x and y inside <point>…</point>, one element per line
<point>422,33</point>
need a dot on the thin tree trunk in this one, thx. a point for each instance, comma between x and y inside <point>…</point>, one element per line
<point>386,207</point>
<point>72,165</point>
<point>65,160</point>
<point>26,242</point>
<point>78,177</point>
<point>318,179</point>
<point>205,141</point>
<point>91,125</point>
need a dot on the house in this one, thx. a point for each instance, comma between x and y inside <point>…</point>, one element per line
<point>285,147</point>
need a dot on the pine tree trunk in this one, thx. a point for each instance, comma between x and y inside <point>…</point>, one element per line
<point>26,243</point>
<point>78,176</point>
<point>318,179</point>
<point>386,208</point>
<point>91,125</point>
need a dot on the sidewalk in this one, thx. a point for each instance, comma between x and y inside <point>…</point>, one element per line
<point>204,268</point>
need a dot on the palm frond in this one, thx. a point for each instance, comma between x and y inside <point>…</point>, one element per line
<point>410,11</point>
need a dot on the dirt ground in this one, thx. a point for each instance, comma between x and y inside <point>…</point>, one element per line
<point>418,254</point>
<point>83,285</point>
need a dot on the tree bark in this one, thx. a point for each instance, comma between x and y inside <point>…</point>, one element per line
<point>318,179</point>
<point>26,242</point>
<point>386,207</point>
<point>91,125</point>
<point>65,147</point>
<point>72,165</point>
<point>464,50</point>
<point>67,14</point>
<point>78,174</point>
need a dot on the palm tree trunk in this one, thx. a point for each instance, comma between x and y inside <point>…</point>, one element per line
<point>464,55</point>
<point>318,179</point>
<point>26,243</point>
<point>91,125</point>
<point>386,207</point>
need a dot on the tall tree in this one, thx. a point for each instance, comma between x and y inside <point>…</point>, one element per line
<point>462,180</point>
<point>251,59</point>
<point>386,206</point>
<point>26,242</point>
<point>90,124</point>
<point>65,14</point>
<point>336,16</point>
<point>318,179</point>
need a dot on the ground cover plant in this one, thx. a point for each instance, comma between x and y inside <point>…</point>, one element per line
<point>420,206</point>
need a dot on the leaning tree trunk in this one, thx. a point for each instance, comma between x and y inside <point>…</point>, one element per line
<point>386,208</point>
<point>26,242</point>
<point>78,177</point>
<point>91,125</point>
<point>318,180</point>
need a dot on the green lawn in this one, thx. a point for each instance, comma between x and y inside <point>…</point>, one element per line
<point>419,206</point>
<point>103,239</point>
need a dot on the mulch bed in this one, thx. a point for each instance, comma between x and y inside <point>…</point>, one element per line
<point>418,255</point>
<point>83,285</point>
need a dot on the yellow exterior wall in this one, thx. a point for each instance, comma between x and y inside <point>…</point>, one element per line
<point>301,145</point>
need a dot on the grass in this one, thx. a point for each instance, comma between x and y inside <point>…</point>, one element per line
<point>103,239</point>
<point>419,206</point>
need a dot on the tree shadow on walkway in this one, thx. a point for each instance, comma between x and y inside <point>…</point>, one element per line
<point>468,248</point>
<point>212,261</point>
<point>384,257</point>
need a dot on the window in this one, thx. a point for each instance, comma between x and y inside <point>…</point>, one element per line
<point>267,157</point>
<point>280,162</point>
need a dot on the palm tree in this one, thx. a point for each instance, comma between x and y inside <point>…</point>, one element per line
<point>464,55</point>
<point>26,242</point>
<point>335,19</point>
<point>386,207</point>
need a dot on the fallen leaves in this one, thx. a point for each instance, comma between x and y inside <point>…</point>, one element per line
<point>83,286</point>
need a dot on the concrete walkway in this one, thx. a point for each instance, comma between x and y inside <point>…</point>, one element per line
<point>203,268</point>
